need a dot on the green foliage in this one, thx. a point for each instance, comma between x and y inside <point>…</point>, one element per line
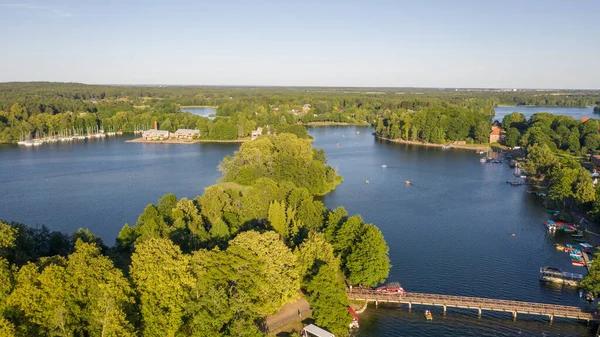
<point>277,218</point>
<point>264,255</point>
<point>368,261</point>
<point>512,137</point>
<point>437,125</point>
<point>84,294</point>
<point>540,160</point>
<point>328,300</point>
<point>514,120</point>
<point>591,282</point>
<point>284,157</point>
<point>312,254</point>
<point>7,236</point>
<point>160,273</point>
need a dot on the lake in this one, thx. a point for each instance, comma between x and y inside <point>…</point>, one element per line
<point>100,184</point>
<point>205,112</point>
<point>576,113</point>
<point>449,232</point>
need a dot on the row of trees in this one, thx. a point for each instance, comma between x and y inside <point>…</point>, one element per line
<point>559,133</point>
<point>127,108</point>
<point>436,125</point>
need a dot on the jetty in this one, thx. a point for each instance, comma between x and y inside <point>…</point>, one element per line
<point>476,303</point>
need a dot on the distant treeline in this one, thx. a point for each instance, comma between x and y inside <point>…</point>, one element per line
<point>67,108</point>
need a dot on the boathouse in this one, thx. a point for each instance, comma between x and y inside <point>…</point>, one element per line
<point>312,330</point>
<point>496,134</point>
<point>153,134</point>
<point>186,133</point>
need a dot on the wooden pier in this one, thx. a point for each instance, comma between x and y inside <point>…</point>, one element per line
<point>475,303</point>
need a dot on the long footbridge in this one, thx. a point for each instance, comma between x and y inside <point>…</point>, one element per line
<point>475,303</point>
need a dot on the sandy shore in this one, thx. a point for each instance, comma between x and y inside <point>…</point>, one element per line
<point>472,147</point>
<point>185,141</point>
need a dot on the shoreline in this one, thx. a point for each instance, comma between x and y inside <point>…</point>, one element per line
<point>317,124</point>
<point>472,147</point>
<point>183,141</point>
<point>198,107</point>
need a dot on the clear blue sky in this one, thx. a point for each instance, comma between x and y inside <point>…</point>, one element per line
<point>479,43</point>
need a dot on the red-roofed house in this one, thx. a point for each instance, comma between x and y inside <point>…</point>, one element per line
<point>584,119</point>
<point>496,134</point>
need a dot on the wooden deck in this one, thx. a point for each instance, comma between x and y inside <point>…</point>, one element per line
<point>475,303</point>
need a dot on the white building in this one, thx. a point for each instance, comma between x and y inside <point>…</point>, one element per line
<point>256,133</point>
<point>153,134</point>
<point>186,133</point>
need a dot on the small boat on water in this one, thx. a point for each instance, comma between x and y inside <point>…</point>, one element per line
<point>483,160</point>
<point>407,182</point>
<point>560,247</point>
<point>428,315</point>
<point>366,181</point>
<point>384,165</point>
<point>555,275</point>
<point>580,240</point>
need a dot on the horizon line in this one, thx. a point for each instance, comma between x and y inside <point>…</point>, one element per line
<point>509,89</point>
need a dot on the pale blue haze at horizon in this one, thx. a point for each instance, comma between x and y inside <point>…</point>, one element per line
<point>509,44</point>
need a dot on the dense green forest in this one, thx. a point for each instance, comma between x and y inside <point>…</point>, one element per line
<point>212,266</point>
<point>39,109</point>
<point>437,125</point>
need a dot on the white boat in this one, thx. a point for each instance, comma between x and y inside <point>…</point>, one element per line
<point>384,165</point>
<point>482,160</point>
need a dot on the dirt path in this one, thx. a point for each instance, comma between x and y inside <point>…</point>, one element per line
<point>289,314</point>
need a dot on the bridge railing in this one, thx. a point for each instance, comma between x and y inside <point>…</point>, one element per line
<point>475,302</point>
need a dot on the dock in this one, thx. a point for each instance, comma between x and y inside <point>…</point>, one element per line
<point>586,259</point>
<point>476,303</point>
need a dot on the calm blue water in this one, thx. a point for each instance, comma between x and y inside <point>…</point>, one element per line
<point>100,184</point>
<point>577,113</point>
<point>206,112</point>
<point>449,231</point>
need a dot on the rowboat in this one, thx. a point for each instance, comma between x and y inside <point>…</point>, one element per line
<point>428,315</point>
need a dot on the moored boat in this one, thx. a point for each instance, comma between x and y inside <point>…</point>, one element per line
<point>555,275</point>
<point>428,315</point>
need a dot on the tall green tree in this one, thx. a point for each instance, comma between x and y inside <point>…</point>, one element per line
<point>368,263</point>
<point>265,270</point>
<point>161,275</point>
<point>328,301</point>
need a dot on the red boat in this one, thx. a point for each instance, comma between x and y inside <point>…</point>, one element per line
<point>391,288</point>
<point>561,223</point>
